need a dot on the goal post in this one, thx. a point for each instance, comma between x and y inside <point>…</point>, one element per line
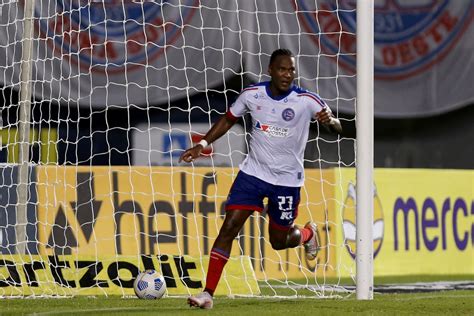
<point>121,88</point>
<point>365,148</point>
<point>24,127</point>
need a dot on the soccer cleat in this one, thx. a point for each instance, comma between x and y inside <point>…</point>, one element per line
<point>201,300</point>
<point>311,247</point>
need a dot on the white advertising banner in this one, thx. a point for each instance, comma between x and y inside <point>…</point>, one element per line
<point>122,53</point>
<point>163,144</point>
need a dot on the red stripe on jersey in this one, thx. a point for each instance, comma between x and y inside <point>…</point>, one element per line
<point>249,89</point>
<point>231,116</point>
<point>319,101</point>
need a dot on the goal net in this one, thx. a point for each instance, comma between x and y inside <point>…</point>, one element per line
<point>100,98</point>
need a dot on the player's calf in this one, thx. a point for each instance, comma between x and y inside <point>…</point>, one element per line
<point>283,238</point>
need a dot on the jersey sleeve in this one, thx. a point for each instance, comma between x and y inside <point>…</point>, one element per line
<point>316,103</point>
<point>239,108</point>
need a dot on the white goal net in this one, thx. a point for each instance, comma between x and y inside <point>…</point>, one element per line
<point>94,120</point>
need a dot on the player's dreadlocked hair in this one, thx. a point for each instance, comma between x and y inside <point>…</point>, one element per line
<point>280,52</point>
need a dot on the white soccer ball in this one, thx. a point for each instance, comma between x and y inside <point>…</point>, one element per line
<point>149,285</point>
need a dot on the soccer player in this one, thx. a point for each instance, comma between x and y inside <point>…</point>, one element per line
<point>281,113</point>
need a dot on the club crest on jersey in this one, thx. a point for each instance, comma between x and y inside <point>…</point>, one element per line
<point>288,114</point>
<point>112,34</point>
<point>410,36</point>
<point>271,130</point>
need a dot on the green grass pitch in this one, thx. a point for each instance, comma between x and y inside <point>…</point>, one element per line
<point>457,302</point>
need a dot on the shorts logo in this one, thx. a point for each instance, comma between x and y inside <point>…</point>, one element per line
<point>349,227</point>
<point>288,114</point>
<point>272,130</point>
<point>410,36</point>
<point>112,34</point>
<point>286,216</point>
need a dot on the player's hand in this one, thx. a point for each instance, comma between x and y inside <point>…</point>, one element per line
<point>324,116</point>
<point>190,154</point>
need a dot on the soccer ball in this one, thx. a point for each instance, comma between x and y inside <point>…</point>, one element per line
<point>149,285</point>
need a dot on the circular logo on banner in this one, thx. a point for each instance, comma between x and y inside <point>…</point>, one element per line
<point>349,222</point>
<point>288,114</point>
<point>410,36</point>
<point>111,33</point>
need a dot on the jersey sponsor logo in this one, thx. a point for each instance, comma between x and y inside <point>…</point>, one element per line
<point>111,35</point>
<point>410,36</point>
<point>272,130</point>
<point>288,114</point>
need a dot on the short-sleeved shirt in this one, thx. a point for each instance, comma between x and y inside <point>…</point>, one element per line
<point>280,127</point>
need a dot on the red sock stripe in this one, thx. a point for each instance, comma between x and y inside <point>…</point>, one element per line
<point>217,261</point>
<point>220,251</point>
<point>306,234</point>
<point>217,255</point>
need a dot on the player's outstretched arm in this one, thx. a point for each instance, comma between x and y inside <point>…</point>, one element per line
<point>327,119</point>
<point>217,130</point>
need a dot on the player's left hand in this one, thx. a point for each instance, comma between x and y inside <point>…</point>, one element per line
<point>324,116</point>
<point>190,154</point>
